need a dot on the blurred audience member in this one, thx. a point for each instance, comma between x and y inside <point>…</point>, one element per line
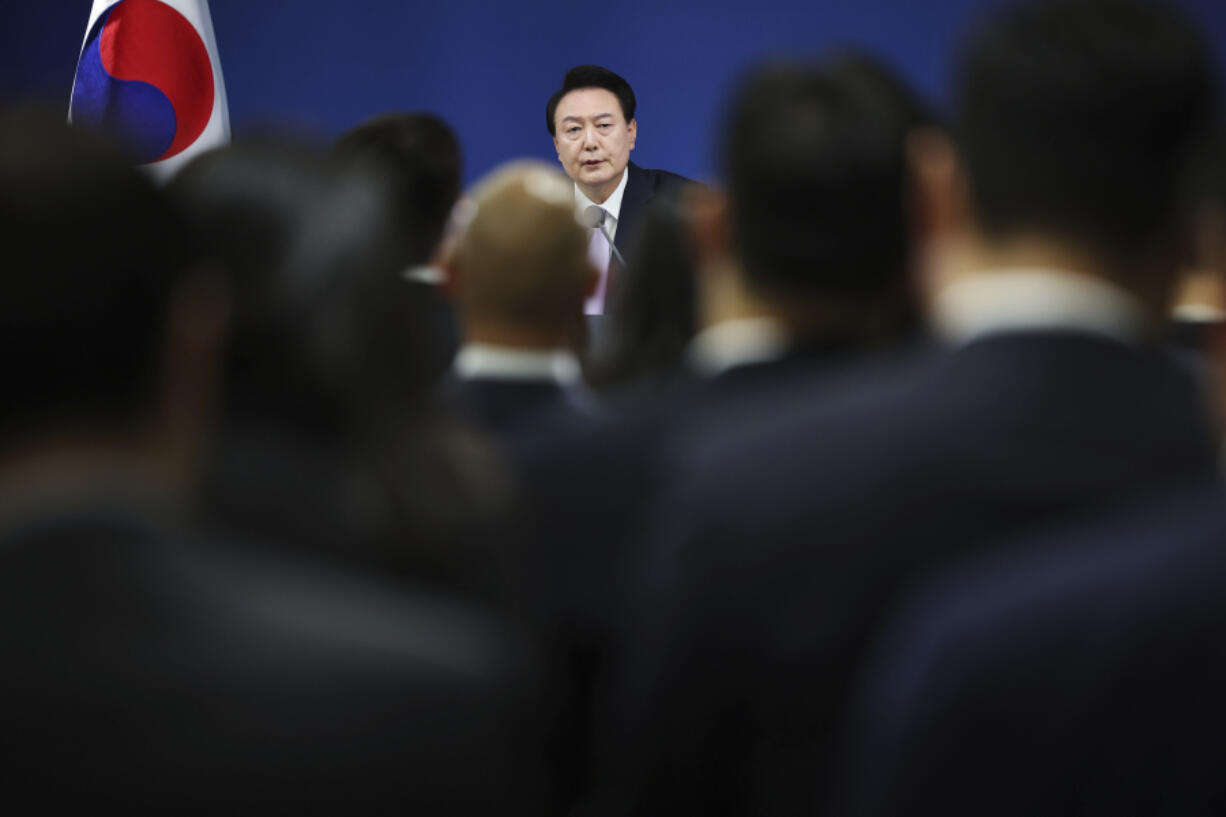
<point>806,256</point>
<point>651,315</point>
<point>793,520</point>
<point>1075,673</point>
<point>143,670</point>
<point>418,156</point>
<point>328,446</point>
<point>1198,319</point>
<point>519,273</point>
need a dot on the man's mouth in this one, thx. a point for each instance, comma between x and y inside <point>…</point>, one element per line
<point>593,162</point>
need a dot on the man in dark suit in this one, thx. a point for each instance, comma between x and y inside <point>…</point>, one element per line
<point>591,120</point>
<point>795,519</point>
<point>144,669</point>
<point>1078,672</point>
<point>519,273</point>
<point>419,156</point>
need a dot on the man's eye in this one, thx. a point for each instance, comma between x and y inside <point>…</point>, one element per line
<point>605,125</point>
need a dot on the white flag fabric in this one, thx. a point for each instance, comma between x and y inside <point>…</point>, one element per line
<point>149,72</point>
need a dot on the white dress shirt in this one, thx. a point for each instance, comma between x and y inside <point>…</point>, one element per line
<point>486,361</point>
<point>719,348</point>
<point>599,250</point>
<point>1036,299</point>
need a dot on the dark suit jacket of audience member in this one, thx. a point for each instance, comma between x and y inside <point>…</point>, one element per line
<point>793,520</point>
<point>439,327</point>
<point>518,411</point>
<point>143,672</point>
<point>1082,675</point>
<point>589,493</point>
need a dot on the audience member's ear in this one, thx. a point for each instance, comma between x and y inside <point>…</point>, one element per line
<point>940,200</point>
<point>196,325</point>
<point>449,285</point>
<point>444,257</point>
<point>1210,239</point>
<point>939,210</point>
<point>710,224</point>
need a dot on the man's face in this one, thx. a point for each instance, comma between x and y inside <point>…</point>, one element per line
<point>593,140</point>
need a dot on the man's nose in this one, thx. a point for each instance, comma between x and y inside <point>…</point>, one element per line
<point>589,138</point>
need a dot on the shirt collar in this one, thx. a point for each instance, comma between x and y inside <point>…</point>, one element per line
<point>487,361</point>
<point>612,205</point>
<point>726,345</point>
<point>1035,299</point>
<point>425,274</point>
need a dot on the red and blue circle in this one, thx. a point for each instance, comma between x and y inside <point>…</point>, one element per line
<point>145,73</point>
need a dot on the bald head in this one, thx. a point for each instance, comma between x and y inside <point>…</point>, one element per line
<point>521,259</point>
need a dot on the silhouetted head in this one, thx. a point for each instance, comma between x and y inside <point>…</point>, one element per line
<point>814,163</point>
<point>520,259</point>
<point>95,255</point>
<point>652,313</point>
<point>1077,119</point>
<point>419,156</point>
<point>323,325</point>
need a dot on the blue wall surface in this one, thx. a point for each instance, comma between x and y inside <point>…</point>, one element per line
<point>488,67</point>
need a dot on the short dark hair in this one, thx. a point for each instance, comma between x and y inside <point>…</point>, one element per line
<point>304,241</point>
<point>1079,118</point>
<point>94,255</point>
<point>814,162</point>
<point>590,76</point>
<point>419,155</point>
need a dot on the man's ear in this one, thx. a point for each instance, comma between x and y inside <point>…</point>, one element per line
<point>449,286</point>
<point>1209,239</point>
<point>710,224</point>
<point>196,322</point>
<point>940,201</point>
<point>632,132</point>
<point>443,260</point>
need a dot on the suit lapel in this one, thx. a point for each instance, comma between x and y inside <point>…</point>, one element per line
<point>638,191</point>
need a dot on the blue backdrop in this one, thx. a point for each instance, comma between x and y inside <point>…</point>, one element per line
<point>488,67</point>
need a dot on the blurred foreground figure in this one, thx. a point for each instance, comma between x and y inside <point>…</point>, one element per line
<point>418,156</point>
<point>1080,672</point>
<point>1063,211</point>
<point>800,270</point>
<point>519,274</point>
<point>651,317</point>
<point>327,444</point>
<point>1198,322</point>
<point>143,671</point>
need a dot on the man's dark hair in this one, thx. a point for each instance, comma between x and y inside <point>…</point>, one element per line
<point>419,155</point>
<point>94,253</point>
<point>304,240</point>
<point>590,76</point>
<point>814,163</point>
<point>1078,118</point>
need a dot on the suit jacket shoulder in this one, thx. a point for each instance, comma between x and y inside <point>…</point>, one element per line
<point>641,185</point>
<point>144,667</point>
<point>1077,674</point>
